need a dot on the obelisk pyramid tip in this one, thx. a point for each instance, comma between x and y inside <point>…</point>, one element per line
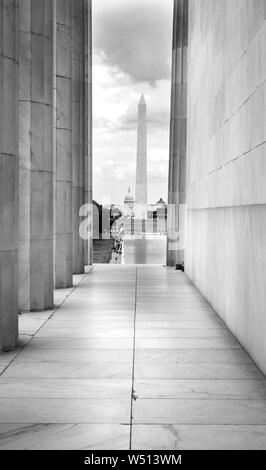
<point>142,101</point>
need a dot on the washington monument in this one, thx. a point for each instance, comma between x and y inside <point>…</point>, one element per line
<point>141,173</point>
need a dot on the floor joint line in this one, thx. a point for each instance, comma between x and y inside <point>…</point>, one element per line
<point>133,362</point>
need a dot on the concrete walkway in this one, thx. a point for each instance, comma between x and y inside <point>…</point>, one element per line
<point>132,358</point>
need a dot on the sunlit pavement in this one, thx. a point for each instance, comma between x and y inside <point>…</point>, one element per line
<point>133,357</point>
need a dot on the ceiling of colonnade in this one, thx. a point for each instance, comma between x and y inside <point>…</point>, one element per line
<point>131,55</point>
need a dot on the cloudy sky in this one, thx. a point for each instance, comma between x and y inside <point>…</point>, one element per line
<point>131,55</point>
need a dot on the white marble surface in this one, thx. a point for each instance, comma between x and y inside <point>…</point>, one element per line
<point>200,411</point>
<point>192,356</point>
<point>177,324</point>
<point>63,146</point>
<point>62,356</point>
<point>64,437</point>
<point>201,371</point>
<point>177,184</point>
<point>71,369</point>
<point>180,381</point>
<point>186,343</point>
<point>35,93</point>
<point>103,332</point>
<point>217,388</point>
<point>198,437</point>
<point>181,333</point>
<point>73,410</point>
<point>29,323</point>
<point>225,250</point>
<point>82,343</point>
<point>78,70</point>
<point>71,390</point>
<point>7,356</point>
<point>148,250</point>
<point>8,176</point>
<point>56,387</point>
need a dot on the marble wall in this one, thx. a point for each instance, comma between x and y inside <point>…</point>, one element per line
<point>45,152</point>
<point>88,252</point>
<point>178,137</point>
<point>8,175</point>
<point>73,137</point>
<point>226,251</point>
<point>63,148</point>
<point>35,155</point>
<point>78,161</point>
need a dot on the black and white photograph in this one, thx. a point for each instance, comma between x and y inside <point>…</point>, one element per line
<point>132,230</point>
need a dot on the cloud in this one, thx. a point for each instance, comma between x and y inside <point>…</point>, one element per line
<point>133,36</point>
<point>131,53</point>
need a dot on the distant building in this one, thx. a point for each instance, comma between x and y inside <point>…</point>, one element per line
<point>128,205</point>
<point>158,210</point>
<point>161,209</point>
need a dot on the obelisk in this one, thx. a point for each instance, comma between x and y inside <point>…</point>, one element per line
<point>141,173</point>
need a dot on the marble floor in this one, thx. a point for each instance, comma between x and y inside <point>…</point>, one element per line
<point>131,357</point>
<point>148,249</point>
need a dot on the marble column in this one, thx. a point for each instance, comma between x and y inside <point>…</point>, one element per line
<point>178,137</point>
<point>63,145</point>
<point>88,131</point>
<point>35,155</point>
<point>78,196</point>
<point>8,176</point>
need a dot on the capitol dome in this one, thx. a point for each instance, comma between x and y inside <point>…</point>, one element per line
<point>161,203</point>
<point>129,199</point>
<point>128,204</point>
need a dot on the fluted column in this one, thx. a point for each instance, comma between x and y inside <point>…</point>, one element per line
<point>35,155</point>
<point>63,145</point>
<point>178,137</point>
<point>88,130</point>
<point>78,162</point>
<point>8,176</point>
